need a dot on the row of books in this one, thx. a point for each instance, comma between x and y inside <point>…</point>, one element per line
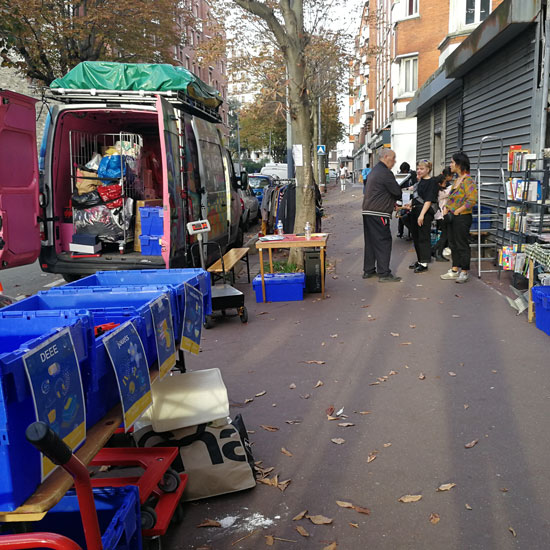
<point>524,190</point>
<point>514,220</point>
<point>520,159</point>
<point>511,258</point>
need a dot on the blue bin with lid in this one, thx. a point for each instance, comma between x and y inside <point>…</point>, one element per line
<point>118,513</point>
<point>280,287</point>
<point>196,277</point>
<point>152,220</point>
<point>541,298</point>
<point>20,333</point>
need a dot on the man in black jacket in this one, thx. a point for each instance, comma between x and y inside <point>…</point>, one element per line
<point>379,200</point>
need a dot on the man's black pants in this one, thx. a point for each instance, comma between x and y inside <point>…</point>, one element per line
<point>376,230</point>
<point>459,240</point>
<point>422,234</point>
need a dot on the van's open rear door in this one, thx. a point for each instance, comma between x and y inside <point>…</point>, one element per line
<point>19,210</point>
<point>174,218</point>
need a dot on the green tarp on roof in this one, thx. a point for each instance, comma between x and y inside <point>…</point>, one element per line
<point>151,77</point>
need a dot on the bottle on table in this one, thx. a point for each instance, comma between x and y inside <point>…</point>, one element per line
<point>280,228</point>
<point>308,231</point>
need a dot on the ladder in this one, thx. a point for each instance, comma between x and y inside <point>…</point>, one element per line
<point>495,218</point>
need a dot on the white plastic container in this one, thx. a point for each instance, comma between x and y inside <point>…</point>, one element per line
<point>187,399</point>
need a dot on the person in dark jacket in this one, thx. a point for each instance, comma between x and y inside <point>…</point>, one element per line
<point>379,200</point>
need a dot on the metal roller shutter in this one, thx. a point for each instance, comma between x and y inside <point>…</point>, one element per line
<point>423,138</point>
<point>454,103</point>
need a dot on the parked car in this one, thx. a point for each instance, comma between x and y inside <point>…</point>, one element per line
<point>332,174</point>
<point>257,183</point>
<point>276,169</point>
<point>251,207</point>
<point>84,124</point>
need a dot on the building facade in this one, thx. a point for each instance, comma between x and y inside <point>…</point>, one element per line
<point>407,41</point>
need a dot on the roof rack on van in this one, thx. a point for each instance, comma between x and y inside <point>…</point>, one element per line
<point>178,98</point>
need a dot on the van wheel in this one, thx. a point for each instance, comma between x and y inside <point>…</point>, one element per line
<point>71,277</point>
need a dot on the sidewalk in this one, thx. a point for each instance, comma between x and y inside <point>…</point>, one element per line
<point>487,378</point>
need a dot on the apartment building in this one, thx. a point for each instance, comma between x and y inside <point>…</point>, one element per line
<point>187,53</point>
<point>400,44</point>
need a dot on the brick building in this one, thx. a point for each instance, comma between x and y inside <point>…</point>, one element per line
<point>407,41</point>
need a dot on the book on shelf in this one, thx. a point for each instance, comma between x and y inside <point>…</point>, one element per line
<point>509,256</point>
<point>520,159</point>
<point>519,189</point>
<point>513,220</point>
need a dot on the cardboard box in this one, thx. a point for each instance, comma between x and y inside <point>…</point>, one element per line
<point>137,233</point>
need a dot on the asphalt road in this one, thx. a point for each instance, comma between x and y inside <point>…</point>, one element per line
<point>435,364</point>
<point>28,279</point>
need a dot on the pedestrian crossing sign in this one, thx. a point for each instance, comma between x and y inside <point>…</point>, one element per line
<point>321,149</point>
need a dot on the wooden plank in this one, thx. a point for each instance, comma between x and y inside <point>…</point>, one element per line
<point>530,312</point>
<point>230,259</point>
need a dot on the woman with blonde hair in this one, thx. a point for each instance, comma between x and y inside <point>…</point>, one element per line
<point>423,207</point>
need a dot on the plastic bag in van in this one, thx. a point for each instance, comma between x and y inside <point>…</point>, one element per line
<point>101,221</point>
<point>109,168</point>
<point>86,200</point>
<point>86,181</point>
<point>94,162</point>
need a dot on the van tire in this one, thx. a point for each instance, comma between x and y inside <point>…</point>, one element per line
<point>71,277</point>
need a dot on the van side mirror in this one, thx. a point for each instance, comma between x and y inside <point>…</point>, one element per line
<point>244,180</point>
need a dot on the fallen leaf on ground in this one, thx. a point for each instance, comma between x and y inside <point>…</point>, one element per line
<point>323,344</point>
<point>209,523</point>
<point>330,411</point>
<point>364,306</point>
<point>434,518</point>
<point>372,318</point>
<point>319,384</point>
<point>261,393</point>
<point>381,379</point>
<point>313,362</point>
<point>344,504</point>
<point>371,457</point>
<point>362,510</point>
<point>305,396</point>
<point>467,506</point>
<point>302,531</point>
<point>504,490</point>
<point>406,343</point>
<point>512,531</point>
<point>300,516</point>
<point>331,546</point>
<point>410,498</point>
<point>422,376</point>
<point>283,485</point>
<point>338,413</point>
<point>286,452</point>
<point>412,326</point>
<point>356,525</point>
<point>466,406</point>
<point>387,445</point>
<point>293,421</point>
<point>374,384</point>
<point>494,371</point>
<point>393,372</point>
<point>446,487</point>
<point>292,386</point>
<point>262,313</point>
<point>346,424</point>
<point>319,520</point>
<point>451,373</point>
<point>458,295</point>
<point>394,334</point>
<point>269,540</point>
<point>250,431</point>
<point>365,412</point>
<point>456,316</point>
<point>333,417</point>
<point>269,428</point>
<point>248,401</point>
<point>471,444</point>
<point>334,335</point>
<point>338,440</point>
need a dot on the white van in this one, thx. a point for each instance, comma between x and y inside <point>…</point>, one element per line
<point>275,169</point>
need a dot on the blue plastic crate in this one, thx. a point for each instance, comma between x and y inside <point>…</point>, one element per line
<point>485,213</point>
<point>197,278</point>
<point>150,245</point>
<point>280,287</point>
<point>20,462</point>
<point>541,298</point>
<point>152,220</point>
<point>118,514</point>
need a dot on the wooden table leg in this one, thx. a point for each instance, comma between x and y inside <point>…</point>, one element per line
<point>271,260</point>
<point>262,272</point>
<point>530,315</point>
<point>323,271</point>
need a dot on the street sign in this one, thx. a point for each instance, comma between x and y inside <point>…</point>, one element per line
<point>321,149</point>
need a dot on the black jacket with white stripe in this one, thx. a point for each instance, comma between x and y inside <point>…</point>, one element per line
<point>381,192</point>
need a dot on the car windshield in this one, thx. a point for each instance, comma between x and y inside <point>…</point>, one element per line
<point>256,183</point>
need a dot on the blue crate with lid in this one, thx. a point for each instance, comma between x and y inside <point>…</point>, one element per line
<point>152,220</point>
<point>541,298</point>
<point>196,277</point>
<point>485,216</point>
<point>20,462</point>
<point>150,245</point>
<point>280,287</point>
<point>118,513</point>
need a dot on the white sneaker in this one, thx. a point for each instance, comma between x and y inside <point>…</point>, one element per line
<point>463,277</point>
<point>450,275</point>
